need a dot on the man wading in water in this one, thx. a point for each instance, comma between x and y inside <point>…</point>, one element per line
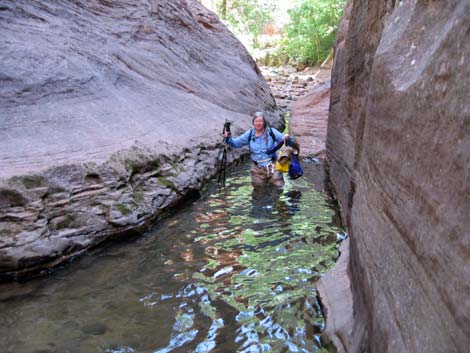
<point>261,140</point>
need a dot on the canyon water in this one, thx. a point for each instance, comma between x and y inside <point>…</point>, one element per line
<point>233,271</point>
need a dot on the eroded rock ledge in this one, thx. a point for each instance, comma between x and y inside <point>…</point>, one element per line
<point>110,112</point>
<point>398,148</point>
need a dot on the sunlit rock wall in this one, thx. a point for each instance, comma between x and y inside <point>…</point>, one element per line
<point>110,111</point>
<point>398,148</point>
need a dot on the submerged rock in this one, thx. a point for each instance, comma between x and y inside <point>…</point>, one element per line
<point>110,113</point>
<point>398,148</point>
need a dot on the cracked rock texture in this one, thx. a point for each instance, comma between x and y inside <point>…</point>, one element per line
<point>398,147</point>
<point>110,112</point>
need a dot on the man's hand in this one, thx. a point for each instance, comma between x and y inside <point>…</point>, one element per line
<point>286,138</point>
<point>227,134</point>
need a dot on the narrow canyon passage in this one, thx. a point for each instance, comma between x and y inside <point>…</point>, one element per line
<point>111,115</point>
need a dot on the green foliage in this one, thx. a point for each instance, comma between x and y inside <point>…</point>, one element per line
<point>306,39</point>
<point>311,33</point>
<point>245,17</point>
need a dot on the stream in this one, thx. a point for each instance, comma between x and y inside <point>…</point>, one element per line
<point>233,271</point>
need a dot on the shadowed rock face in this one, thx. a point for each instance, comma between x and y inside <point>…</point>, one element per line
<point>110,112</point>
<point>309,120</point>
<point>398,147</point>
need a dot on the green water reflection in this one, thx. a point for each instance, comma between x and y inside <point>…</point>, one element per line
<point>266,251</point>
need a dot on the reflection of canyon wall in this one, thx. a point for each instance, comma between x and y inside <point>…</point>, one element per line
<point>110,111</point>
<point>398,147</point>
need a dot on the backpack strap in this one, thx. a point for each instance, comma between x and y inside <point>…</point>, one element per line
<point>272,134</point>
<point>276,147</point>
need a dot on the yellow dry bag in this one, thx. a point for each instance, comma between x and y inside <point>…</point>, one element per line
<point>283,161</point>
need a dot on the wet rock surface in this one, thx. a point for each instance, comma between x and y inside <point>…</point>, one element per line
<point>398,148</point>
<point>334,290</point>
<point>110,113</point>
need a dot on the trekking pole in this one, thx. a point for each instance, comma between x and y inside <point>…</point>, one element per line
<point>223,167</point>
<point>224,154</point>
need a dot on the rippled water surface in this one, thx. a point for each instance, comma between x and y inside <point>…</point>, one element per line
<point>233,272</point>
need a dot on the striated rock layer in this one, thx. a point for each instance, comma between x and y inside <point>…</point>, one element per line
<point>398,147</point>
<point>110,111</point>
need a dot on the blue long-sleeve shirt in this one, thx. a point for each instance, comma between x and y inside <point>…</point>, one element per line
<point>257,144</point>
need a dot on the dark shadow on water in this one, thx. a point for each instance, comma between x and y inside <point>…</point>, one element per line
<point>264,198</point>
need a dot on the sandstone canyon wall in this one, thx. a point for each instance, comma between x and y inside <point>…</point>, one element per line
<point>110,111</point>
<point>398,148</point>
